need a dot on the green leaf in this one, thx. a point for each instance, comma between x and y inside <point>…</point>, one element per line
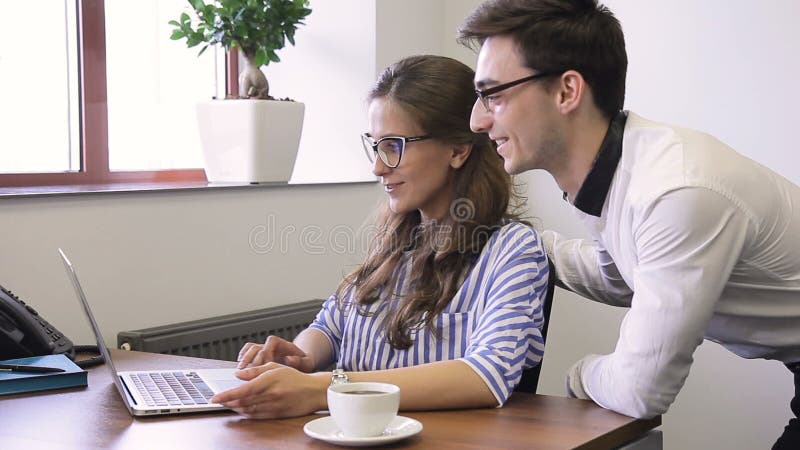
<point>193,40</point>
<point>261,57</point>
<point>210,11</point>
<point>197,4</point>
<point>202,50</point>
<point>259,27</point>
<point>174,23</point>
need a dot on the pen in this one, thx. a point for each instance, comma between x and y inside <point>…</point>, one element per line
<point>24,368</point>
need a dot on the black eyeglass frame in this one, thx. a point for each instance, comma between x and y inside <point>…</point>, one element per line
<point>367,140</point>
<point>484,94</point>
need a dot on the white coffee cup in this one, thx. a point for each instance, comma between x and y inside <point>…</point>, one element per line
<point>363,409</point>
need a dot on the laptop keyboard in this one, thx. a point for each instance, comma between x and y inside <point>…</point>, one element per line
<point>172,388</point>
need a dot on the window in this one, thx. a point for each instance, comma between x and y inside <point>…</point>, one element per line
<point>129,117</point>
<point>39,112</point>
<point>153,85</point>
<point>120,108</point>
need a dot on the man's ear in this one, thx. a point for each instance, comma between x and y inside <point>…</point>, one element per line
<point>572,88</point>
<point>459,155</point>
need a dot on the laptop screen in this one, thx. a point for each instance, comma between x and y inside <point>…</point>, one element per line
<point>96,329</point>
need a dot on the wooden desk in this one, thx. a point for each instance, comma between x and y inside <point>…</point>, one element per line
<point>95,417</point>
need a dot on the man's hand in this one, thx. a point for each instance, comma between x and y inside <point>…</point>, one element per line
<point>575,382</point>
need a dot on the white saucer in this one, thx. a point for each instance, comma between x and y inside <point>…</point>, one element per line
<point>325,429</point>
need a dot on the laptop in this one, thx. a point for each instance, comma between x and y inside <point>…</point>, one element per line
<point>159,392</point>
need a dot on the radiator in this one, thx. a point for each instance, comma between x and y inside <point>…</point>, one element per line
<point>222,337</point>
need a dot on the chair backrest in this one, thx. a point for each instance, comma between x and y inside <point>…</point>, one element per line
<point>530,377</point>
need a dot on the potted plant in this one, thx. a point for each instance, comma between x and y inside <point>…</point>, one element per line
<point>251,137</point>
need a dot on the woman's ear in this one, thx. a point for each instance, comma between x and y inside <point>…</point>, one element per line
<point>459,155</point>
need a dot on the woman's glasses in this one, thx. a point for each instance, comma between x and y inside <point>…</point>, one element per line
<point>388,148</point>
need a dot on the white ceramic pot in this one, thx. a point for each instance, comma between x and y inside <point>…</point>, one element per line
<point>250,141</point>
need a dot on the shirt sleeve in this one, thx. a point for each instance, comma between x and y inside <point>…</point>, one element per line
<point>687,244</point>
<point>507,337</point>
<point>585,268</point>
<point>330,321</point>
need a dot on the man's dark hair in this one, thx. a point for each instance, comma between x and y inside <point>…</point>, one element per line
<point>559,35</point>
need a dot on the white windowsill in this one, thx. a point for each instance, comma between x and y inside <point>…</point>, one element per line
<point>38,191</point>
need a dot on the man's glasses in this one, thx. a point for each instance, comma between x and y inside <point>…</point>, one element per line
<point>485,95</point>
<point>388,148</point>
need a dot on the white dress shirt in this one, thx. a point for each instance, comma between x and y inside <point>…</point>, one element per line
<point>699,241</point>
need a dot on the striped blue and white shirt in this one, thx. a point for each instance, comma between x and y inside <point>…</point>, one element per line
<point>493,323</point>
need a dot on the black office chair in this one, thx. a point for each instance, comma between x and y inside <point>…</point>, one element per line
<point>530,377</point>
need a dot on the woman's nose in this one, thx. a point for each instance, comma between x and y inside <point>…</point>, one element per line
<point>379,168</point>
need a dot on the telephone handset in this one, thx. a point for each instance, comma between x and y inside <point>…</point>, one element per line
<point>24,333</point>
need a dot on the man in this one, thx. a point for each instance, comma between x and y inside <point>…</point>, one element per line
<point>699,241</point>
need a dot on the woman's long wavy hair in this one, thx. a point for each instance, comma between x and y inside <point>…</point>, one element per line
<point>438,93</point>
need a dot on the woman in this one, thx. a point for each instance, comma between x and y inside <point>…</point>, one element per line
<point>447,303</point>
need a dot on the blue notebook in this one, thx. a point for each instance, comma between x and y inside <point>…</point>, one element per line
<point>17,382</point>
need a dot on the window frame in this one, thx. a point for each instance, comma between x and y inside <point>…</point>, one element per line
<point>93,115</point>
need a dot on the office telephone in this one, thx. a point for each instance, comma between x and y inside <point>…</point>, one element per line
<point>24,333</point>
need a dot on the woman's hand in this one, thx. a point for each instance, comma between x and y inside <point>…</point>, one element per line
<point>274,391</point>
<point>276,350</point>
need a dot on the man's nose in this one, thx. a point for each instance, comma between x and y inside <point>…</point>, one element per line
<point>480,121</point>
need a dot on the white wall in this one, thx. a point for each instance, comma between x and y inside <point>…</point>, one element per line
<point>729,68</point>
<point>154,258</point>
<point>343,45</point>
<point>330,70</point>
<point>405,28</point>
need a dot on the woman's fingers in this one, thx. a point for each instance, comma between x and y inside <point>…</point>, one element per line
<point>249,392</point>
<point>255,398</point>
<point>273,391</point>
<point>274,349</point>
<point>258,411</point>
<point>248,354</point>
<point>244,350</point>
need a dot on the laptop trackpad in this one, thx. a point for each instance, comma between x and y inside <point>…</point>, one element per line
<point>220,379</point>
